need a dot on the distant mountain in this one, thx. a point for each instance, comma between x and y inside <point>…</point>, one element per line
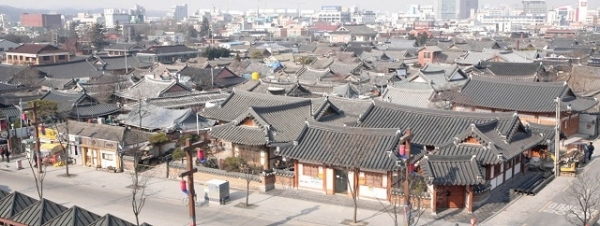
<point>14,13</point>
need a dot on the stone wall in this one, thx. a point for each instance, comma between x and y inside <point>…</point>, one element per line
<point>236,180</point>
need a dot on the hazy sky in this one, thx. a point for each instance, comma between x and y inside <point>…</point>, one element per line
<point>380,5</point>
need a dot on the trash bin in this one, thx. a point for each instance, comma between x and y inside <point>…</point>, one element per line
<point>19,164</point>
<point>218,191</point>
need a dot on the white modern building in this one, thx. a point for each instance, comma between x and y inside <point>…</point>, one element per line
<point>134,15</point>
<point>454,9</point>
<point>332,15</point>
<point>515,22</point>
<point>534,7</point>
<point>364,17</point>
<point>178,12</point>
<point>89,19</point>
<point>582,10</point>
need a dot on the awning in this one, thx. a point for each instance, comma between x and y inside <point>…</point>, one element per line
<point>53,148</point>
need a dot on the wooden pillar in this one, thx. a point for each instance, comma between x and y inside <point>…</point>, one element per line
<point>84,156</point>
<point>470,198</point>
<point>296,169</point>
<point>434,200</point>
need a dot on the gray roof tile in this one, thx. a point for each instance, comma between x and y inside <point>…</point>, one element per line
<point>451,170</point>
<point>239,101</point>
<point>520,96</point>
<point>431,126</point>
<point>365,148</point>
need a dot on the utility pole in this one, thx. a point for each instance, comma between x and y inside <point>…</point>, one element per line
<point>212,78</point>
<point>189,148</point>
<point>557,138</point>
<point>407,206</point>
<point>35,123</point>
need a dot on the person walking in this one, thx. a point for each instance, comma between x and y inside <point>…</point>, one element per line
<point>7,154</point>
<point>2,152</point>
<point>590,148</point>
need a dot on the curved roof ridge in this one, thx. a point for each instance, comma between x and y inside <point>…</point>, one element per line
<point>353,130</point>
<point>266,96</point>
<point>518,82</point>
<point>446,113</point>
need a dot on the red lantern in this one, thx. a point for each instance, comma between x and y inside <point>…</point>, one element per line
<point>24,117</point>
<point>200,154</point>
<point>402,150</point>
<point>183,185</point>
<point>411,167</point>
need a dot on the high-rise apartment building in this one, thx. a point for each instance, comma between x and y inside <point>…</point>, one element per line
<point>581,11</point>
<point>178,12</point>
<point>534,7</point>
<point>454,9</point>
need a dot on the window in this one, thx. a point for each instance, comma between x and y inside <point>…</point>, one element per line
<point>1,49</point>
<point>61,57</point>
<point>106,156</point>
<point>427,55</point>
<point>497,169</point>
<point>309,170</point>
<point>373,180</point>
<point>45,58</point>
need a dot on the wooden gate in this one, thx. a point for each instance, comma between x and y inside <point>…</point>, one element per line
<point>450,197</point>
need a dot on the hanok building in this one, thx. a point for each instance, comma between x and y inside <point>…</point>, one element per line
<point>252,124</point>
<point>529,72</point>
<point>497,140</point>
<point>534,101</point>
<point>80,106</point>
<point>37,54</point>
<point>154,86</point>
<point>101,146</point>
<point>122,49</point>
<point>167,54</point>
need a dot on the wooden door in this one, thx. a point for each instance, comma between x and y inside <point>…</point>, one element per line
<point>456,199</point>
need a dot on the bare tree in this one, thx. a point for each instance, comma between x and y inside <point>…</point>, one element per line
<point>138,189</point>
<point>417,187</point>
<point>448,95</point>
<point>63,138</point>
<point>38,176</point>
<point>585,193</point>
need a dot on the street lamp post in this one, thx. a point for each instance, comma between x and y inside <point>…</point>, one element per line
<point>557,139</point>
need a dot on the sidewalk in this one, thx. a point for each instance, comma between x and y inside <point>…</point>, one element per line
<point>280,210</point>
<point>528,208</point>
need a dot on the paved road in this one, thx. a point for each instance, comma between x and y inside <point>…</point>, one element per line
<point>102,192</point>
<point>548,207</point>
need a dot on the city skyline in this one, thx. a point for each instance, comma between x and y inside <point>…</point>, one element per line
<point>381,6</point>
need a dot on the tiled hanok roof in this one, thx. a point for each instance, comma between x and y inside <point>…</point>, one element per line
<point>152,88</point>
<point>431,126</point>
<point>520,95</point>
<point>363,148</point>
<point>451,170</point>
<point>239,101</point>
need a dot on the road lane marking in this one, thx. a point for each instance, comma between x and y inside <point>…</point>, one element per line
<point>544,207</point>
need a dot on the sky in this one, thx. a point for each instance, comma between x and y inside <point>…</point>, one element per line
<point>380,5</point>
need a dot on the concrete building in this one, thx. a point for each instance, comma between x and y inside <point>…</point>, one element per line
<point>454,9</point>
<point>89,19</point>
<point>114,17</point>
<point>178,12</point>
<point>364,17</point>
<point>534,7</point>
<point>41,20</point>
<point>514,22</point>
<point>582,10</point>
<point>332,15</point>
<point>4,20</point>
<point>36,54</point>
